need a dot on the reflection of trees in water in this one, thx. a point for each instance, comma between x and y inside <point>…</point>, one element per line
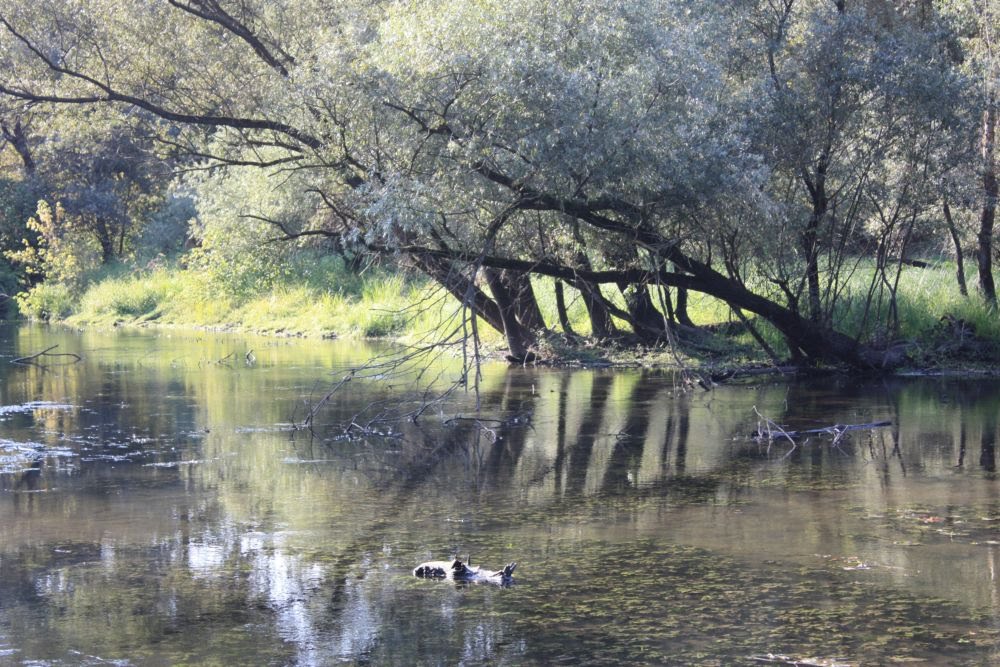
<point>480,461</point>
<point>581,444</point>
<point>626,454</point>
<point>627,434</point>
<point>647,429</point>
<point>933,423</point>
<point>972,406</point>
<point>988,440</point>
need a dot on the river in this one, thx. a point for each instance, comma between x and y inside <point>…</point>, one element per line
<point>160,504</point>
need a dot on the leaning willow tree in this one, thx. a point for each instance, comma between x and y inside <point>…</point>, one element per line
<point>729,148</point>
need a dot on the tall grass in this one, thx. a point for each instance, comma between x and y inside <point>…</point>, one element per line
<point>324,298</point>
<point>924,297</point>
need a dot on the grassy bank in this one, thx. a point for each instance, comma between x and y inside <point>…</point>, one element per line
<point>377,304</point>
<point>329,301</point>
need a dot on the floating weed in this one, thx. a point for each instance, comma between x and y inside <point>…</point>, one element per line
<point>671,604</point>
<point>919,524</point>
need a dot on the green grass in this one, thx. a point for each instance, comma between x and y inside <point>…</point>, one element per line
<point>138,297</point>
<point>925,295</point>
<point>325,299</point>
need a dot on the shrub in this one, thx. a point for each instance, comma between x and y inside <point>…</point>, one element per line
<point>46,301</point>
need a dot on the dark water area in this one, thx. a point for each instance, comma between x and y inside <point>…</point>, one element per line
<point>158,507</point>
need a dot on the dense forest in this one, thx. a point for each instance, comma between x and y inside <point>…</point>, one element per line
<point>790,158</point>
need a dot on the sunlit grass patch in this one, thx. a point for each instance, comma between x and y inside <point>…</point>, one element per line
<point>324,298</point>
<point>131,296</point>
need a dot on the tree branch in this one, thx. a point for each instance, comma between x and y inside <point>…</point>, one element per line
<point>110,95</point>
<point>213,12</point>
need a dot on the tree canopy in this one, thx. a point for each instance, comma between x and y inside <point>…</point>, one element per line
<point>752,150</point>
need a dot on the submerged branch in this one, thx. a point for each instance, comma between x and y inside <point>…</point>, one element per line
<point>769,430</point>
<point>47,352</point>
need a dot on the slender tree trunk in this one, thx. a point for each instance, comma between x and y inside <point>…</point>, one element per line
<point>810,242</point>
<point>681,311</point>
<point>959,254</point>
<point>602,326</point>
<point>984,254</point>
<point>561,311</point>
<point>105,237</point>
<point>668,302</point>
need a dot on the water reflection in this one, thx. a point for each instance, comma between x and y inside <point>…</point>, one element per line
<point>156,508</point>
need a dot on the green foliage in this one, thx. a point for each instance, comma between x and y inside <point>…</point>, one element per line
<point>168,227</point>
<point>18,203</point>
<point>741,145</point>
<point>239,253</point>
<point>47,301</point>
<point>63,253</point>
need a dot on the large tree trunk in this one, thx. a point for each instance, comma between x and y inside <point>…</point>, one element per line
<point>988,215</point>
<point>681,310</point>
<point>106,239</point>
<point>526,305</point>
<point>806,338</point>
<point>17,137</point>
<point>520,339</point>
<point>461,287</point>
<point>647,322</point>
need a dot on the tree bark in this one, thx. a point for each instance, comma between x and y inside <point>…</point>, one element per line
<point>987,217</point>
<point>959,254</point>
<point>602,327</point>
<point>17,137</point>
<point>561,311</point>
<point>525,304</point>
<point>816,185</point>
<point>647,322</point>
<point>520,339</point>
<point>460,287</point>
<point>681,309</point>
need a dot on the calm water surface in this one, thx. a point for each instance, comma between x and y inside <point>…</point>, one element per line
<point>157,507</point>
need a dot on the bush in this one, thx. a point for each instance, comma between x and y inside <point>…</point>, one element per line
<point>46,301</point>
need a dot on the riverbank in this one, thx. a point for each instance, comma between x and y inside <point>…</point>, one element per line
<point>940,328</point>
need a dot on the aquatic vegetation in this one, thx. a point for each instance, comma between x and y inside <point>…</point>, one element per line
<point>685,605</point>
<point>196,525</point>
<point>913,525</point>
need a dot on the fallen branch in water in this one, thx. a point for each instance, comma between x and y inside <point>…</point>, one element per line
<point>769,430</point>
<point>778,659</point>
<point>836,430</point>
<point>47,352</point>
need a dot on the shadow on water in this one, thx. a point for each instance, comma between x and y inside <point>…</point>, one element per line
<point>156,508</point>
